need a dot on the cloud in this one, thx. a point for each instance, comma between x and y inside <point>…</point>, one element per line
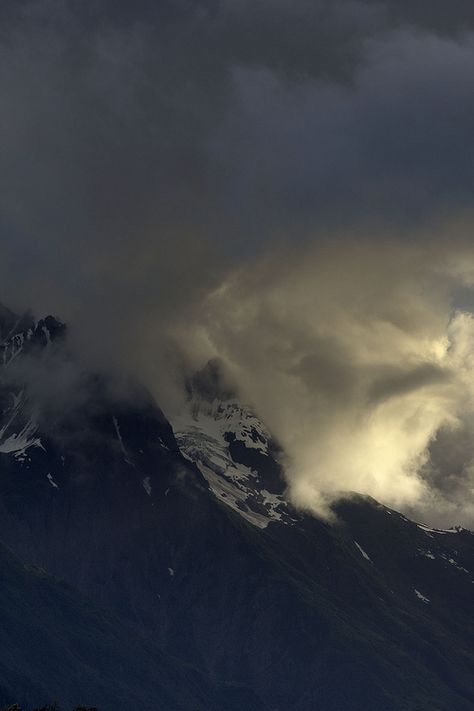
<point>392,146</point>
<point>358,360</point>
<point>186,175</point>
<point>146,152</point>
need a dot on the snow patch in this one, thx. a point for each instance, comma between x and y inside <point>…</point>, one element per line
<point>421,597</point>
<point>19,442</point>
<point>441,531</point>
<point>119,437</point>
<point>362,552</point>
<point>235,497</point>
<point>217,418</point>
<point>454,563</point>
<point>51,481</point>
<point>202,436</point>
<point>47,335</point>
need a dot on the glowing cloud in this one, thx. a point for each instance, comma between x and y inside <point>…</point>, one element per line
<point>357,357</point>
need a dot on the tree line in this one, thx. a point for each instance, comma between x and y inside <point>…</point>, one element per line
<point>48,707</point>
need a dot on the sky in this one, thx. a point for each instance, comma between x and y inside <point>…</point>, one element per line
<point>287,186</point>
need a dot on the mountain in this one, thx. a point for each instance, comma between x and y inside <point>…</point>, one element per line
<point>55,644</point>
<point>184,534</point>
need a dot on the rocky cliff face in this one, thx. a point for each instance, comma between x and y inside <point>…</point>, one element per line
<point>183,531</point>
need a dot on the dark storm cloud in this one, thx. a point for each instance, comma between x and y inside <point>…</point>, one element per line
<point>393,145</point>
<point>438,16</point>
<point>141,124</point>
<point>103,180</point>
<point>116,209</point>
<point>299,37</point>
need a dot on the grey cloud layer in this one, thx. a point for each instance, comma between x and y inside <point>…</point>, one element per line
<point>394,145</point>
<point>230,121</point>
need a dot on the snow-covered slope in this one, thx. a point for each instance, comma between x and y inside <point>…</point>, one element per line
<point>18,435</point>
<point>233,450</point>
<point>21,336</point>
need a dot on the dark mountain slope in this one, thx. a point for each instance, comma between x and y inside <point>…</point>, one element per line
<point>191,540</point>
<point>55,645</point>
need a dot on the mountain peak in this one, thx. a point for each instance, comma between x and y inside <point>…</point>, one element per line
<point>232,448</point>
<point>11,323</point>
<point>211,383</point>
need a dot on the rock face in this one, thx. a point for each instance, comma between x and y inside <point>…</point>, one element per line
<point>184,534</point>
